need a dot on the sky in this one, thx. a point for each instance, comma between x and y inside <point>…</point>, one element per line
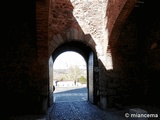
<point>66,59</point>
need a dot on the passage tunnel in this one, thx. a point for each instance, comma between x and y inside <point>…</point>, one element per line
<point>88,55</point>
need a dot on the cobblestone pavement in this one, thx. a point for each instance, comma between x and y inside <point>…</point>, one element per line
<point>80,110</point>
<point>72,104</point>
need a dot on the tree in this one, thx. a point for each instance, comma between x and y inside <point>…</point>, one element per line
<point>82,80</point>
<point>74,72</point>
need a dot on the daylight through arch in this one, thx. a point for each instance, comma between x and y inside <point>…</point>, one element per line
<point>70,77</point>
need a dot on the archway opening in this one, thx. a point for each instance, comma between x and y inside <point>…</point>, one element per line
<point>91,62</point>
<point>70,77</point>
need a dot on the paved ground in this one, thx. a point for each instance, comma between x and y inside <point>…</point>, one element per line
<point>80,110</point>
<point>70,94</point>
<point>72,104</point>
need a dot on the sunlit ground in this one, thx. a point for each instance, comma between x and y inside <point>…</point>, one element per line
<point>70,94</point>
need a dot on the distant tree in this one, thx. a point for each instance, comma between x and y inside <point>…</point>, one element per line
<point>74,72</point>
<point>61,79</point>
<point>82,80</point>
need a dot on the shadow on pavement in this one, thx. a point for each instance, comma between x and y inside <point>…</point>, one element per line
<point>70,94</point>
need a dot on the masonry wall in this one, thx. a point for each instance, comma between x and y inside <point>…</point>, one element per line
<point>135,61</point>
<point>149,41</point>
<point>31,31</point>
<point>19,87</point>
<point>117,36</point>
<point>77,21</point>
<point>123,82</point>
<point>81,21</point>
<point>42,65</point>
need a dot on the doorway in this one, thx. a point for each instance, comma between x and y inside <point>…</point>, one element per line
<point>90,59</point>
<point>70,77</point>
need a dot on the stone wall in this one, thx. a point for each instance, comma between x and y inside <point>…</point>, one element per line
<point>86,21</point>
<point>77,20</point>
<point>135,61</point>
<point>125,70</point>
<point>18,57</point>
<point>42,63</point>
<point>151,51</point>
<point>123,81</point>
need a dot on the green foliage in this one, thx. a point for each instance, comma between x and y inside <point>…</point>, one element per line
<point>82,80</point>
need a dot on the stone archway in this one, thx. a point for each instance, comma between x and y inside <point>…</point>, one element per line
<point>90,58</point>
<point>61,26</point>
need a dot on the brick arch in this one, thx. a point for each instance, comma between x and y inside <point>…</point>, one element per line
<point>70,35</point>
<point>63,25</point>
<point>115,30</point>
<point>76,46</point>
<point>90,57</point>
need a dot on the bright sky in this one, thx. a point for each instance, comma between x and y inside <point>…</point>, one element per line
<point>66,59</point>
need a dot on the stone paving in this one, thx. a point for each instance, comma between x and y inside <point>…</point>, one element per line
<point>72,104</point>
<point>70,94</point>
<point>80,110</point>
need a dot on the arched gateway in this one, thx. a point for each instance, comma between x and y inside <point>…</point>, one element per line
<point>91,62</point>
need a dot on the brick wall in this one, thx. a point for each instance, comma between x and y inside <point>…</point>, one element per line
<point>38,28</point>
<point>74,20</point>
<point>18,54</point>
<point>135,56</point>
